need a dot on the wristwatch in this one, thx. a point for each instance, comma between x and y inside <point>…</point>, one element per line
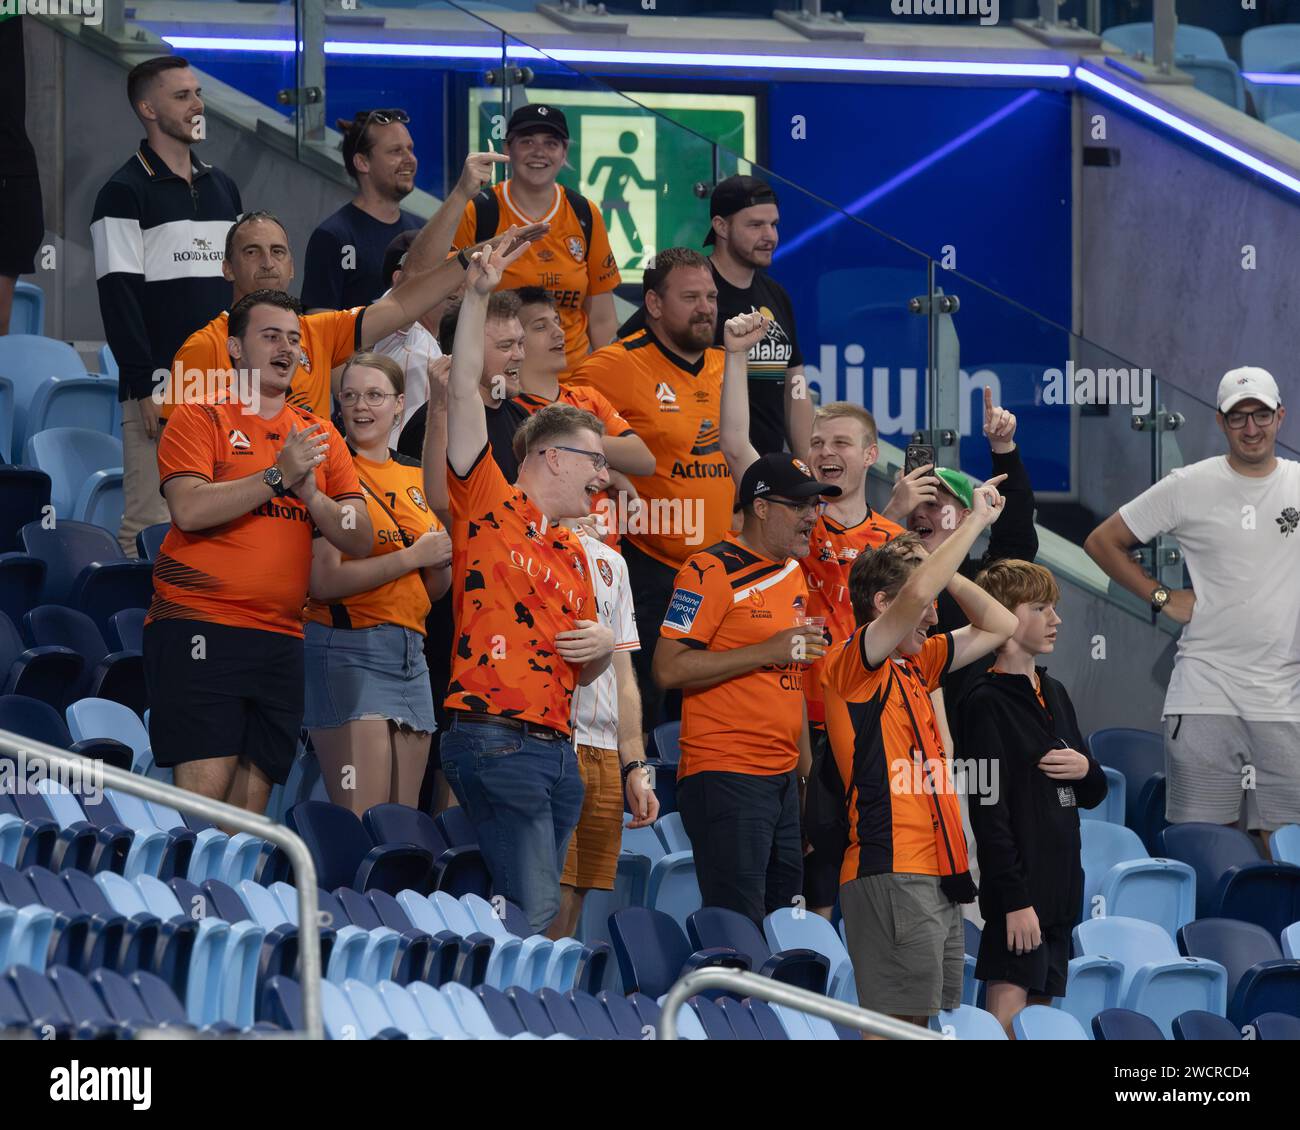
<point>274,478</point>
<point>1159,598</point>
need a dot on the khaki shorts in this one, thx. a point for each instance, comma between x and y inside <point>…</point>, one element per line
<point>906,942</point>
<point>594,846</point>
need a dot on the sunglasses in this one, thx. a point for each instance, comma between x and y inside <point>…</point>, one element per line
<point>382,118</point>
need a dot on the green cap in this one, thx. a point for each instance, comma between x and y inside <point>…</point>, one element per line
<point>959,484</point>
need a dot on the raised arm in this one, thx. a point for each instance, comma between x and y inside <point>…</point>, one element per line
<point>1014,536</point>
<point>798,411</point>
<point>429,248</point>
<point>991,624</point>
<point>433,455</point>
<point>739,336</point>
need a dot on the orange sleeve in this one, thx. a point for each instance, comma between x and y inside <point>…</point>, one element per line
<point>189,444</point>
<point>343,334</point>
<point>482,487</point>
<point>196,353</point>
<point>596,371</point>
<point>340,472</point>
<point>602,271</point>
<point>465,229</point>
<point>701,599</point>
<point>934,659</point>
<point>599,406</point>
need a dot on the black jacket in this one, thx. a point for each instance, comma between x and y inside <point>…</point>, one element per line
<point>1027,841</point>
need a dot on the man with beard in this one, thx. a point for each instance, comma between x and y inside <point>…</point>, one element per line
<point>666,382</point>
<point>158,228</point>
<point>345,254</point>
<point>743,234</point>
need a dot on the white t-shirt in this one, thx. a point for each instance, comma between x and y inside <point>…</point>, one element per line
<point>412,348</point>
<point>595,707</point>
<point>1240,654</point>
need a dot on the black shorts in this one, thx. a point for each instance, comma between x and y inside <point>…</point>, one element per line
<point>1042,972</point>
<point>23,227</point>
<point>232,692</point>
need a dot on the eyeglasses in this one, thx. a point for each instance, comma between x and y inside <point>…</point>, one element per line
<point>597,458</point>
<point>372,396</point>
<point>382,118</point>
<point>1262,417</point>
<point>814,504</point>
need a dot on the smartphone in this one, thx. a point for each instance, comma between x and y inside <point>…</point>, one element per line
<point>918,455</point>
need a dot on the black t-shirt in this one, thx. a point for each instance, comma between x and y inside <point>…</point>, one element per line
<point>17,157</point>
<point>502,423</point>
<point>328,283</point>
<point>768,360</point>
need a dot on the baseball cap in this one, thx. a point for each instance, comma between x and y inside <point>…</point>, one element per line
<point>537,116</point>
<point>1248,383</point>
<point>395,253</point>
<point>733,194</point>
<point>782,475</point>
<point>957,483</point>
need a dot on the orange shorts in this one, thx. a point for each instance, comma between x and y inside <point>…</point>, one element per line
<point>592,859</point>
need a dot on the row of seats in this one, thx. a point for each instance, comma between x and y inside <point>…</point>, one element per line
<point>43,385</point>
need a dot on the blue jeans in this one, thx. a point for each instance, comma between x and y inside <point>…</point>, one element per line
<point>523,795</point>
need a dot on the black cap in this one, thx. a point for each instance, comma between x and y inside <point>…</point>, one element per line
<point>536,116</point>
<point>733,194</point>
<point>395,253</point>
<point>784,476</point>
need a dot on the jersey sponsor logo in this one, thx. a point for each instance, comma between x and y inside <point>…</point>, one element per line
<point>417,496</point>
<point>545,254</point>
<point>280,510</point>
<point>667,397</point>
<point>609,261</point>
<point>682,609</point>
<point>606,573</point>
<point>240,442</point>
<point>698,470</point>
<point>576,248</point>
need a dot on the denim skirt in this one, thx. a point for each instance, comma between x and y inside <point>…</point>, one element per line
<point>355,673</point>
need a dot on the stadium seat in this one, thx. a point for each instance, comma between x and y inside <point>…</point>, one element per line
<point>1260,979</point>
<point>28,313</point>
<point>1138,754</point>
<point>1276,1026</point>
<point>1239,883</point>
<point>716,927</point>
<point>24,495</point>
<point>1204,1026</point>
<point>1197,42</point>
<point>1112,808</point>
<point>667,742</point>
<point>1219,78</point>
<point>22,579</point>
<point>1158,981</point>
<point>104,718</point>
<point>126,630</point>
<point>87,403</point>
<point>48,1014</point>
<point>457,870</point>
<point>84,1005</point>
<point>968,1023</point>
<point>971,937</point>
<point>1288,123</point>
<point>1038,1022</point>
<point>1291,940</point>
<point>1284,844</point>
<point>1124,1024</point>
<point>673,888</point>
<point>570,965</point>
<point>672,833</point>
<point>791,929</point>
<point>86,569</point>
<point>27,361</point>
<point>653,952</point>
<point>41,723</point>
<point>117,675</point>
<point>1121,880</point>
<point>1150,815</point>
<point>1273,49</point>
<point>345,856</point>
<point>44,673</point>
<point>149,540</point>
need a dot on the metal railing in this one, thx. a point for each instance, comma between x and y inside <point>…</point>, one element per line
<point>752,985</point>
<point>304,870</point>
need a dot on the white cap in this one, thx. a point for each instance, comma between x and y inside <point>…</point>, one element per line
<point>1248,383</point>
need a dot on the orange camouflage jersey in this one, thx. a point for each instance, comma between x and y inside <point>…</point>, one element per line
<point>826,568</point>
<point>517,581</point>
<point>400,514</point>
<point>560,262</point>
<point>729,597</point>
<point>252,572</point>
<point>675,408</point>
<point>328,339</point>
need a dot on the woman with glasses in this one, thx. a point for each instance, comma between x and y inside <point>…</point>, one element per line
<point>369,705</point>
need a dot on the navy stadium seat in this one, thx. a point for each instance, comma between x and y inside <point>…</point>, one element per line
<point>115,675</point>
<point>86,569</point>
<point>1122,1024</point>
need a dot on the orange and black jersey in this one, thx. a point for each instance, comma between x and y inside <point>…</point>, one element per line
<point>834,549</point>
<point>675,407</point>
<point>517,582</point>
<point>253,571</point>
<point>728,597</point>
<point>400,515</point>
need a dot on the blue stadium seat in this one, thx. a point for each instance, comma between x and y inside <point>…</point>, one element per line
<point>715,927</point>
<point>965,1022</point>
<point>1288,123</point>
<point>117,675</point>
<point>1273,49</point>
<point>149,540</point>
<point>124,1003</point>
<point>623,1015</point>
<point>1158,981</point>
<point>439,1016</point>
<point>653,952</point>
<point>1260,979</point>
<point>791,929</point>
<point>1284,844</point>
<point>1138,754</point>
<point>1239,883</point>
<point>712,1019</point>
<point>22,580</point>
<point>86,403</point>
<point>971,935</point>
<point>672,833</point>
<point>667,742</point>
<point>468,1009</point>
<point>563,1012</point>
<point>345,856</point>
<point>27,362</point>
<point>84,1005</point>
<point>1291,940</point>
<point>24,495</point>
<point>28,313</point>
<point>44,673</point>
<point>1150,814</point>
<point>104,718</point>
<point>1121,880</point>
<point>1124,1024</point>
<point>1113,807</point>
<point>673,888</point>
<point>1219,78</point>
<point>1196,42</point>
<point>86,569</point>
<point>1204,1026</point>
<point>457,870</point>
<point>126,630</point>
<point>1038,1022</point>
<point>49,1015</point>
<point>1276,1026</point>
<point>571,964</point>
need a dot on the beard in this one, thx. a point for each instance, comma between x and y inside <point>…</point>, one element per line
<point>692,337</point>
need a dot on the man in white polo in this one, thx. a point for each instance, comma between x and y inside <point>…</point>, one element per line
<point>1232,711</point>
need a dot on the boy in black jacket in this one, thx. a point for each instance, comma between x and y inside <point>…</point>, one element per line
<point>1031,878</point>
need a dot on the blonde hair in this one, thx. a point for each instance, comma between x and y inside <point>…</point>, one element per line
<point>844,410</point>
<point>1011,583</point>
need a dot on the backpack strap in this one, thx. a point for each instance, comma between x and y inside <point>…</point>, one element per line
<point>582,210</point>
<point>487,214</point>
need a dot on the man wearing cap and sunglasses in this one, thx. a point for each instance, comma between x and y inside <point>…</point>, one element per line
<point>574,262</point>
<point>1232,710</point>
<point>346,251</point>
<point>743,218</point>
<point>737,642</point>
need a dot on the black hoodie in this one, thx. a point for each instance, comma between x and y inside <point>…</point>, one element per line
<point>1028,840</point>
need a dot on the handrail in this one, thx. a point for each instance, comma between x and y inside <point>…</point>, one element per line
<point>304,870</point>
<point>752,985</point>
